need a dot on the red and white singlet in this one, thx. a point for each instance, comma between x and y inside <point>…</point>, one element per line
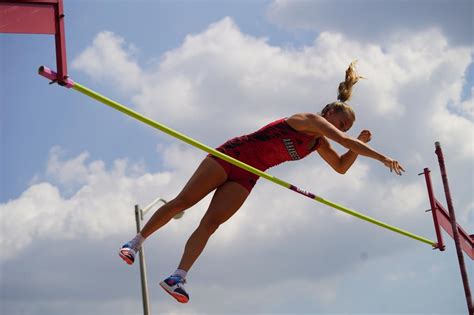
<point>271,145</point>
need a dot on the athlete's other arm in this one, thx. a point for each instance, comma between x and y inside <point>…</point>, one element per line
<point>317,125</point>
<point>341,163</point>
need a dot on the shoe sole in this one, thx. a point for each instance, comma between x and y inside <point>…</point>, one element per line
<point>180,298</point>
<point>126,258</point>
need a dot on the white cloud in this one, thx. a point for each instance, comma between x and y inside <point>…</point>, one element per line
<point>68,172</point>
<point>222,72</point>
<point>100,205</point>
<point>36,212</point>
<point>108,58</point>
<point>220,83</point>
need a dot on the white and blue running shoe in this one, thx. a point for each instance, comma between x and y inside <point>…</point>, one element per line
<point>174,285</point>
<point>128,252</point>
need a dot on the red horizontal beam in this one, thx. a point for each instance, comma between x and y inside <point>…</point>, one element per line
<point>32,1</point>
<point>34,17</point>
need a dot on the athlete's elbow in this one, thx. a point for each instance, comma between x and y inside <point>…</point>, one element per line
<point>341,170</point>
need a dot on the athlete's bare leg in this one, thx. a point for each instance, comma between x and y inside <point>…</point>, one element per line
<point>227,199</point>
<point>208,176</point>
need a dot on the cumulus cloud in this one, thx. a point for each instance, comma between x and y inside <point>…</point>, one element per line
<point>71,171</point>
<point>373,20</point>
<point>222,72</point>
<point>280,231</point>
<point>109,58</point>
<point>221,82</point>
<point>99,205</point>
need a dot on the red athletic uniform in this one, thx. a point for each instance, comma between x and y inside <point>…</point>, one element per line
<point>271,145</point>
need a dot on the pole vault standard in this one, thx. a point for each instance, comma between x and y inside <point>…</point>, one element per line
<point>51,75</point>
<point>447,220</point>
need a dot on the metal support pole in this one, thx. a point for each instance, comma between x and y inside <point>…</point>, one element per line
<point>454,226</point>
<point>146,304</point>
<point>139,214</point>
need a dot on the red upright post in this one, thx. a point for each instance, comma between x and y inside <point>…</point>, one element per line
<point>434,210</point>
<point>454,227</point>
<point>60,38</point>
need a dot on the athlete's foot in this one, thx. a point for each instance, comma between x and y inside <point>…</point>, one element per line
<point>174,285</point>
<point>128,252</point>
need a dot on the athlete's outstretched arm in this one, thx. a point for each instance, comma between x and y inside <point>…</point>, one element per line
<point>319,126</point>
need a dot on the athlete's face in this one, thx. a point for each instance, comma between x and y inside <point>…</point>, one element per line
<point>341,120</point>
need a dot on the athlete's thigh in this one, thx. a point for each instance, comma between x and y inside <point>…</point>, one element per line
<point>227,199</point>
<point>207,177</point>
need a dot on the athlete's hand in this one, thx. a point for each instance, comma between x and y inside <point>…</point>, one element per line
<point>365,136</point>
<point>393,165</point>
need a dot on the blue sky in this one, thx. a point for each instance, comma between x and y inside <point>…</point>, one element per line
<point>72,169</point>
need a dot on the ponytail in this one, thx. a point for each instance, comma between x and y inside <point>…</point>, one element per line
<point>344,92</point>
<point>345,88</point>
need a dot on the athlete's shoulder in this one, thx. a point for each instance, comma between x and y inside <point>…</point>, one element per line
<point>304,122</point>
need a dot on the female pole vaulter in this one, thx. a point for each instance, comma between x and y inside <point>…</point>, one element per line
<point>286,139</point>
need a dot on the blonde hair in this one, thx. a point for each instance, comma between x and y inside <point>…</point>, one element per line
<point>344,92</point>
<point>345,88</point>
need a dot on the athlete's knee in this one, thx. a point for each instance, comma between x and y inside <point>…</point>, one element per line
<point>182,202</point>
<point>210,225</point>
